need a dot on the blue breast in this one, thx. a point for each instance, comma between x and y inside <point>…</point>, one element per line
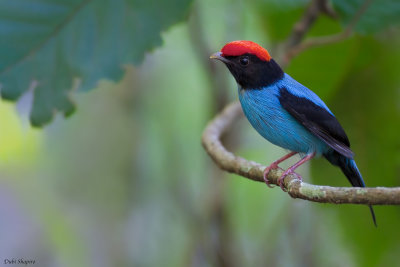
<point>265,113</point>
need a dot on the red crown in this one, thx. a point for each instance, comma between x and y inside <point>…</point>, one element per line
<point>238,48</point>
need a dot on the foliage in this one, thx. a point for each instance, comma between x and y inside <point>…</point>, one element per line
<point>378,16</point>
<point>125,182</point>
<point>55,42</point>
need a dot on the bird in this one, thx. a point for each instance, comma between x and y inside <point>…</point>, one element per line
<point>287,113</point>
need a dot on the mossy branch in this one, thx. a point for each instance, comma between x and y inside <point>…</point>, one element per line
<point>229,162</point>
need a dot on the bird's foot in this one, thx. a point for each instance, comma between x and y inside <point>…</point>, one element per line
<point>298,176</point>
<point>281,184</point>
<point>284,174</point>
<point>274,165</point>
<point>268,182</point>
<point>266,172</point>
<point>291,170</point>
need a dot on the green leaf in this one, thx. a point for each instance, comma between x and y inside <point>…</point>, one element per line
<point>53,42</point>
<point>378,16</point>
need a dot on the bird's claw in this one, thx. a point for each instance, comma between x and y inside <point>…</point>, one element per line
<point>268,183</point>
<point>298,176</point>
<point>266,172</point>
<point>286,173</point>
<point>281,182</point>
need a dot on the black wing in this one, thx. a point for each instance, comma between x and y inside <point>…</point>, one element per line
<point>317,120</point>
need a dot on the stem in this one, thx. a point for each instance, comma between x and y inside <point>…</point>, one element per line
<point>295,49</point>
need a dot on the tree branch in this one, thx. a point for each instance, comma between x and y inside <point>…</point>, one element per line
<point>227,161</point>
<point>293,49</point>
<point>307,20</point>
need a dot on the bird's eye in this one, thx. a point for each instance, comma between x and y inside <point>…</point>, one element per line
<point>244,61</point>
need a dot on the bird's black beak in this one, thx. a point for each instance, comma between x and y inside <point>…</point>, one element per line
<point>219,56</point>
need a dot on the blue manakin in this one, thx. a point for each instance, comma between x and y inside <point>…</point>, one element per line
<point>286,113</point>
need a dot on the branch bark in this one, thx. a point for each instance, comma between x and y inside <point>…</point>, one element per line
<point>307,20</point>
<point>302,27</point>
<point>229,162</point>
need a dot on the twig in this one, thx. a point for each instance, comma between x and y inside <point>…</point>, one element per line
<point>307,20</point>
<point>294,50</point>
<point>229,162</point>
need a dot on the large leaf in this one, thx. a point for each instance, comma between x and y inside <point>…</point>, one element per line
<point>46,44</point>
<point>378,15</point>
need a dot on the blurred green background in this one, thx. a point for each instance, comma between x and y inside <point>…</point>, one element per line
<point>125,182</point>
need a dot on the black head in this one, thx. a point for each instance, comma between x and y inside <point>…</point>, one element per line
<point>251,72</point>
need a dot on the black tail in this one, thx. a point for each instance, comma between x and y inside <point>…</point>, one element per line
<point>349,168</point>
